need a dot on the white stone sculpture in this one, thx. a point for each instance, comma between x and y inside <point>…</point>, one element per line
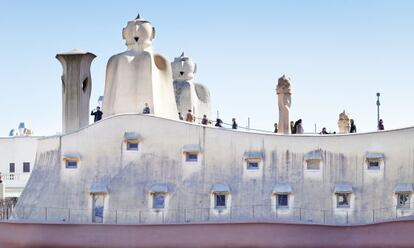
<point>283,91</point>
<point>76,89</point>
<point>138,76</point>
<point>189,94</point>
<point>343,123</point>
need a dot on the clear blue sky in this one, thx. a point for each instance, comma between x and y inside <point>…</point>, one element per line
<point>338,54</point>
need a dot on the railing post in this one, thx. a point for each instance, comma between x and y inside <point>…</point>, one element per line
<point>253,210</point>
<point>116,216</point>
<point>277,217</point>
<point>46,213</point>
<point>139,216</point>
<point>396,212</point>
<point>185,215</point>
<point>323,212</point>
<point>347,217</point>
<point>68,214</point>
<point>300,214</point>
<point>163,220</point>
<point>373,215</point>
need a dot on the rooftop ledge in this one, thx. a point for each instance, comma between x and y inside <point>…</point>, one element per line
<point>252,131</point>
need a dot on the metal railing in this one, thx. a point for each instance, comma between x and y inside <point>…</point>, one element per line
<point>201,215</point>
<point>226,125</point>
<point>6,208</point>
<point>10,177</point>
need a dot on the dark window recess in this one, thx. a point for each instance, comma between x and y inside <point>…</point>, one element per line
<point>252,165</point>
<point>26,167</point>
<point>282,200</point>
<point>220,201</point>
<point>71,164</point>
<point>342,200</point>
<point>158,201</point>
<point>132,146</point>
<point>12,168</point>
<point>192,157</point>
<point>403,200</point>
<point>373,165</point>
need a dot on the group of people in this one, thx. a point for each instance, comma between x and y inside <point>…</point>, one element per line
<point>352,127</point>
<point>97,113</point>
<point>205,121</point>
<point>295,127</point>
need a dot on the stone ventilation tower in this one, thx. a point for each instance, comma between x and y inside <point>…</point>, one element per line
<point>343,123</point>
<point>284,93</point>
<point>76,89</point>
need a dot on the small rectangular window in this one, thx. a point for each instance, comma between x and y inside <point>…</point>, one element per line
<point>158,201</point>
<point>220,201</point>
<point>373,165</point>
<point>343,200</point>
<point>26,167</point>
<point>12,168</point>
<point>312,164</point>
<point>191,157</point>
<point>132,146</point>
<point>71,164</point>
<point>252,165</point>
<point>282,200</point>
<point>403,200</point>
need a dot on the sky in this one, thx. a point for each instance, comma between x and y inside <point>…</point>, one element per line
<point>338,54</point>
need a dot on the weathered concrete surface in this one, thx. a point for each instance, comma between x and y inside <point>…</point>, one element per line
<point>130,175</point>
<point>76,89</point>
<point>393,234</point>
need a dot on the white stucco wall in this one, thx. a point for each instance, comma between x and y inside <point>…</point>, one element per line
<point>17,150</point>
<point>129,175</point>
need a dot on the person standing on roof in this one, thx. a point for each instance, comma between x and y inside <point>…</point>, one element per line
<point>218,122</point>
<point>204,121</point>
<point>381,125</point>
<point>146,109</point>
<point>189,117</point>
<point>234,125</point>
<point>292,127</point>
<point>276,129</point>
<point>324,131</point>
<point>298,127</point>
<point>97,114</point>
<point>352,128</point>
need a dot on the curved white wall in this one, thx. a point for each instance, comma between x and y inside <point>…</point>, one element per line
<point>130,175</point>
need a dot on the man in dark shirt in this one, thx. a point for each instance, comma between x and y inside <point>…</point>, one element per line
<point>234,125</point>
<point>97,114</point>
<point>324,131</point>
<point>353,127</point>
<point>381,125</point>
<point>218,122</point>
